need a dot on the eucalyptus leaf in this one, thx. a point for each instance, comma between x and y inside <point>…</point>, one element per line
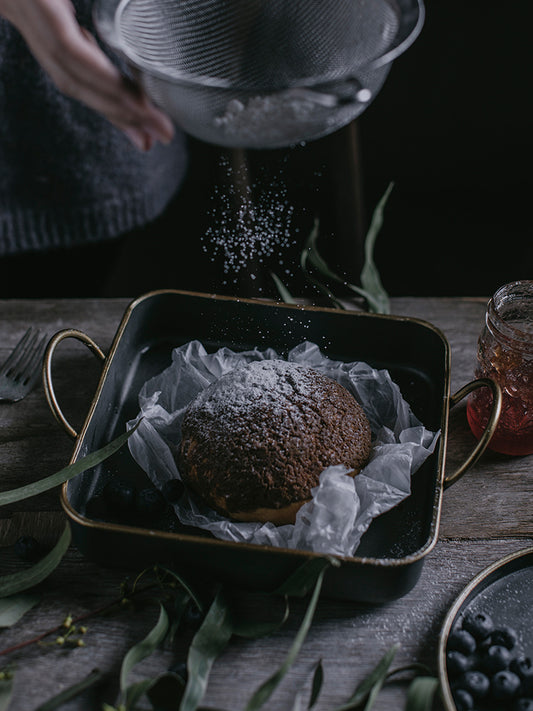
<point>369,688</point>
<point>254,629</point>
<point>371,287</point>
<point>185,585</point>
<point>68,472</point>
<point>137,653</point>
<point>370,279</point>
<point>282,289</point>
<point>6,691</point>
<point>94,677</point>
<point>318,678</point>
<point>207,644</point>
<point>421,693</point>
<point>266,689</point>
<point>25,579</point>
<point>304,578</point>
<point>16,606</point>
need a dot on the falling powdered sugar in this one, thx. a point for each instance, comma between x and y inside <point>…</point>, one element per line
<point>251,224</point>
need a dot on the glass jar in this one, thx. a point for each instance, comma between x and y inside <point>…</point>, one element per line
<point>505,354</point>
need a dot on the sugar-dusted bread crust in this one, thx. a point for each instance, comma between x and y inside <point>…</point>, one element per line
<point>255,441</point>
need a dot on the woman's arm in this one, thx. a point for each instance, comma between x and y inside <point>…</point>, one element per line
<point>79,68</point>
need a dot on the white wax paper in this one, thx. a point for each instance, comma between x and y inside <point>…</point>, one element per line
<point>342,507</point>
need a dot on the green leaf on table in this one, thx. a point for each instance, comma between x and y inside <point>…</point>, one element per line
<point>318,679</point>
<point>68,472</point>
<point>371,287</point>
<point>16,606</point>
<point>421,693</point>
<point>263,693</point>
<point>6,690</point>
<point>208,643</point>
<point>184,584</point>
<point>94,677</point>
<point>370,279</point>
<point>25,579</point>
<point>370,687</point>
<point>311,255</point>
<point>285,294</point>
<point>251,629</point>
<point>137,653</point>
<point>304,578</point>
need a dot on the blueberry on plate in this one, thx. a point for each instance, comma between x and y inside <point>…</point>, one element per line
<point>522,666</point>
<point>119,494</point>
<point>462,641</point>
<point>479,624</point>
<point>495,659</point>
<point>504,636</point>
<point>149,502</point>
<point>457,663</point>
<point>463,700</point>
<point>475,682</point>
<point>504,685</point>
<point>27,548</point>
<point>523,704</point>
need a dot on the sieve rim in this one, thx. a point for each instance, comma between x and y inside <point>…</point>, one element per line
<point>410,26</point>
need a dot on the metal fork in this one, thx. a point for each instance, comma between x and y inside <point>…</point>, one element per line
<point>22,368</point>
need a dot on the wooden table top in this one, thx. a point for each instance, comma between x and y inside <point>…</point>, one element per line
<point>486,515</point>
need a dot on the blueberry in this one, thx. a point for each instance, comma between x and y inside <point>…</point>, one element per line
<point>27,548</point>
<point>457,663</point>
<point>479,625</point>
<point>149,502</point>
<point>522,666</point>
<point>475,682</point>
<point>463,700</point>
<point>504,685</point>
<point>495,659</point>
<point>462,641</point>
<point>173,489</point>
<point>119,494</point>
<point>504,636</point>
<point>523,704</point>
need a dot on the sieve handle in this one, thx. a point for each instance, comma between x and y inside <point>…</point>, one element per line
<point>331,96</point>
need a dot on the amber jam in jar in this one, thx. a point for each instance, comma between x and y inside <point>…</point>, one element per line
<point>505,354</point>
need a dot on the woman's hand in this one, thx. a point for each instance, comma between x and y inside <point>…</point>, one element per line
<point>79,68</point>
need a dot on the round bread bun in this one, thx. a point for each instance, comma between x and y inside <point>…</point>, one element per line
<point>255,441</point>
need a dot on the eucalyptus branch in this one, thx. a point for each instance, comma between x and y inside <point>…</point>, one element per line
<point>121,600</point>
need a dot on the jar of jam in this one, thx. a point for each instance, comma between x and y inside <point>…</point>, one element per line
<point>505,354</point>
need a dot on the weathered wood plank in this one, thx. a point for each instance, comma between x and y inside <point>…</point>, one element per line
<point>349,638</point>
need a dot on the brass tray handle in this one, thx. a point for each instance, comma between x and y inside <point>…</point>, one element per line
<point>489,430</point>
<point>47,371</point>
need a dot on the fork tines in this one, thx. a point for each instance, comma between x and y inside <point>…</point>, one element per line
<point>25,358</point>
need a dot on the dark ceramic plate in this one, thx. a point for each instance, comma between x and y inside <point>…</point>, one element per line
<point>504,591</point>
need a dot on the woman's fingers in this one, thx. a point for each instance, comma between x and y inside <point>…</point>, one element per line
<point>79,68</point>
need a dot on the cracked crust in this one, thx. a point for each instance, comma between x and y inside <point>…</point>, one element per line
<point>255,441</point>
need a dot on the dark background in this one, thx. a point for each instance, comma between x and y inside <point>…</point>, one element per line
<point>451,128</point>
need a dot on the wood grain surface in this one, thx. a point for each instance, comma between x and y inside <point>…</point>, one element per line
<point>485,515</point>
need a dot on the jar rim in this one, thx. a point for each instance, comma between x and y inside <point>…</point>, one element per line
<point>505,296</point>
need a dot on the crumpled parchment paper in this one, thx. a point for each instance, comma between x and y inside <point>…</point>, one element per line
<point>342,507</point>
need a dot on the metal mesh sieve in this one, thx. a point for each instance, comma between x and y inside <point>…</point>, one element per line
<point>260,73</point>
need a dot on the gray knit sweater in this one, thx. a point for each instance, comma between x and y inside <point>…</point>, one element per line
<point>67,176</point>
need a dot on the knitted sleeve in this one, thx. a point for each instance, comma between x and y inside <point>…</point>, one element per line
<point>67,176</point>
